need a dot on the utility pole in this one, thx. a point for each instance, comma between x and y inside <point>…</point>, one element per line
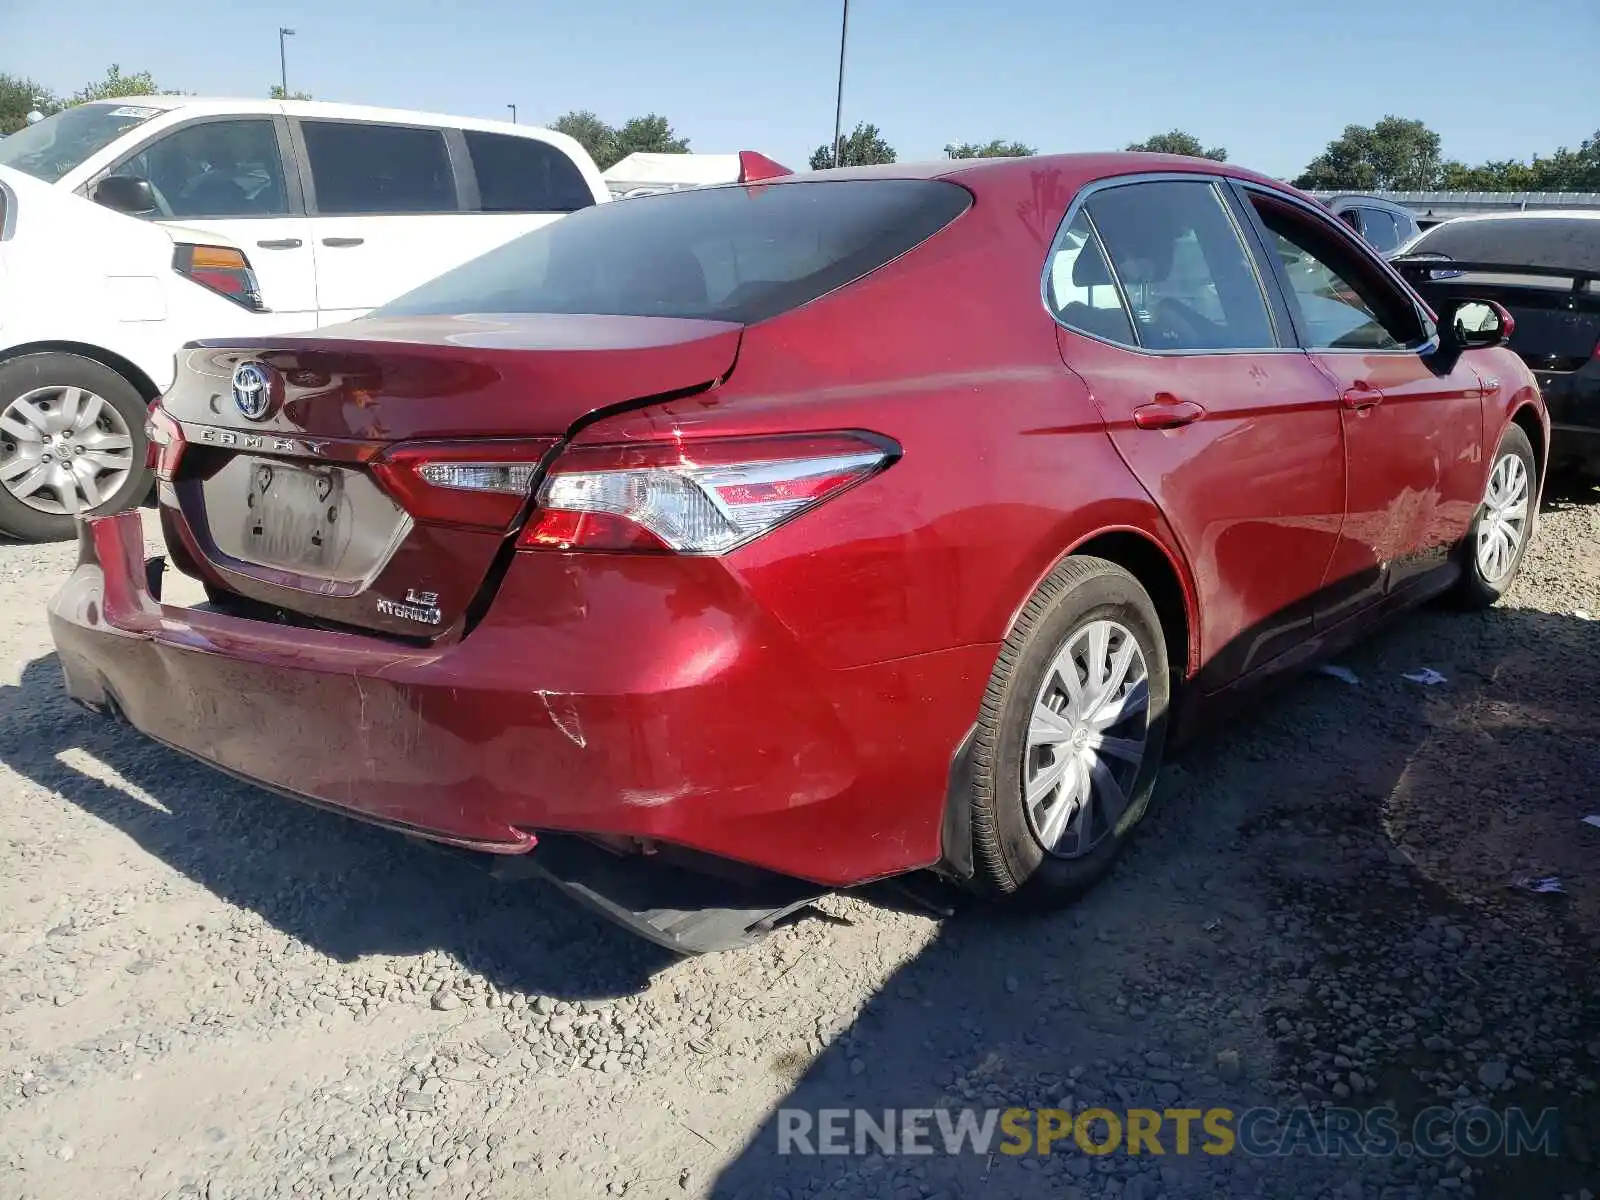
<point>838,105</point>
<point>283,60</point>
<point>513,109</point>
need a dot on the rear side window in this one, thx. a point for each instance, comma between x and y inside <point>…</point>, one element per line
<point>723,253</point>
<point>1180,262</point>
<point>519,174</point>
<point>1379,228</point>
<point>1079,287</point>
<point>358,168</point>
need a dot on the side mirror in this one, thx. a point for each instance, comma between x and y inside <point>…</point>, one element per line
<point>126,194</point>
<point>1476,324</point>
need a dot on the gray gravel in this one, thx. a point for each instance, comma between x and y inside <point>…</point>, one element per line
<point>209,992</point>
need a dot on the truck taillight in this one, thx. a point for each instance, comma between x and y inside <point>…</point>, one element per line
<point>221,269</point>
<point>694,497</point>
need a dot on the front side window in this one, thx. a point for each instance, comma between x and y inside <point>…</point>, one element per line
<point>522,174</point>
<point>60,143</point>
<point>1079,287</point>
<point>1186,274</point>
<point>1341,301</point>
<point>368,169</point>
<point>215,169</point>
<point>734,253</point>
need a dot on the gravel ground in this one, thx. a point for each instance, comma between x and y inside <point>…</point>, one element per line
<point>206,991</point>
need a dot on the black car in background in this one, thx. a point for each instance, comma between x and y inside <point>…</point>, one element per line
<point>1545,269</point>
<point>1384,223</point>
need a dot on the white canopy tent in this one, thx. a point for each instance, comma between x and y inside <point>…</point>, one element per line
<point>642,173</point>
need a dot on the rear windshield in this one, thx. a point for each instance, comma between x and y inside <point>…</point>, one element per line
<point>54,146</point>
<point>1561,243</point>
<point>738,253</point>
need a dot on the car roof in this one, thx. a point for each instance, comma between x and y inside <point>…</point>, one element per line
<point>327,109</point>
<point>1537,214</point>
<point>1083,165</point>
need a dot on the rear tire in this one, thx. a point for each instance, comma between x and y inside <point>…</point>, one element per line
<point>1064,767</point>
<point>1500,532</point>
<point>59,409</point>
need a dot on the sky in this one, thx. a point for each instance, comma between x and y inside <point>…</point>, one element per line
<point>1271,82</point>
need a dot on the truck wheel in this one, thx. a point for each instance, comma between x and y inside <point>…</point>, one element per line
<point>71,443</point>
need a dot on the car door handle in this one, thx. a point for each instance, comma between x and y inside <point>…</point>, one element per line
<point>281,244</point>
<point>1362,397</point>
<point>1167,413</point>
<point>342,242</point>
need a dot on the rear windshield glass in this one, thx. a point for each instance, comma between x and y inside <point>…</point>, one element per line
<point>55,145</point>
<point>741,253</point>
<point>1561,243</point>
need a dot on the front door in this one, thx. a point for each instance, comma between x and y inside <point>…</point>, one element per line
<point>1232,430</point>
<point>1412,421</point>
<point>227,176</point>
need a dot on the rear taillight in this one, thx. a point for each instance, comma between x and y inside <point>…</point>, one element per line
<point>223,270</point>
<point>703,497</point>
<point>163,443</point>
<point>477,485</point>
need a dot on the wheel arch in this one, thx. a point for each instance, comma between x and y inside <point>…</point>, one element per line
<point>1526,418</point>
<point>126,367</point>
<point>1164,575</point>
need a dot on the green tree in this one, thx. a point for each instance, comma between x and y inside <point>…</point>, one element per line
<point>1176,141</point>
<point>590,132</point>
<point>277,93</point>
<point>19,96</point>
<point>994,149</point>
<point>1396,154</point>
<point>862,148</point>
<point>116,84</point>
<point>649,134</point>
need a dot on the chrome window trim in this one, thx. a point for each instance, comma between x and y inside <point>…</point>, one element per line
<point>1431,337</point>
<point>1214,181</point>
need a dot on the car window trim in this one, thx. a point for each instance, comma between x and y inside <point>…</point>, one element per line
<point>1430,343</point>
<point>1217,183</point>
<point>294,194</point>
<point>8,212</point>
<point>310,182</point>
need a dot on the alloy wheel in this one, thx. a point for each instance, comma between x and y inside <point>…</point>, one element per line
<point>1504,523</point>
<point>63,450</point>
<point>1087,737</point>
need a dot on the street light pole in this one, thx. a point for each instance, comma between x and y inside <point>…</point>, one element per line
<point>283,61</point>
<point>513,109</point>
<point>838,104</point>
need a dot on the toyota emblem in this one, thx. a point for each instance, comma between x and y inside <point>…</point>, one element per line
<point>252,390</point>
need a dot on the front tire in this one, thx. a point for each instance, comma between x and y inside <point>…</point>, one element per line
<point>71,443</point>
<point>1503,527</point>
<point>1070,735</point>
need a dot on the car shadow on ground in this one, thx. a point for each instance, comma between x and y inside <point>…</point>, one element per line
<point>1318,912</point>
<point>343,888</point>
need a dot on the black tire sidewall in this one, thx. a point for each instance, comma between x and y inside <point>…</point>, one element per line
<point>1025,868</point>
<point>1475,590</point>
<point>30,371</point>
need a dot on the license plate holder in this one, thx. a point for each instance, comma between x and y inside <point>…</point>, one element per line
<point>296,518</point>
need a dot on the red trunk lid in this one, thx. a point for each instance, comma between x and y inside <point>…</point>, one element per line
<point>291,506</point>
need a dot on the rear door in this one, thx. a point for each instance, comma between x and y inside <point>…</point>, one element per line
<point>1412,417</point>
<point>233,175</point>
<point>1229,427</point>
<point>387,211</point>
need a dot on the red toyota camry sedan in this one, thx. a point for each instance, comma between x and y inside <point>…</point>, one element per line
<point>711,549</point>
